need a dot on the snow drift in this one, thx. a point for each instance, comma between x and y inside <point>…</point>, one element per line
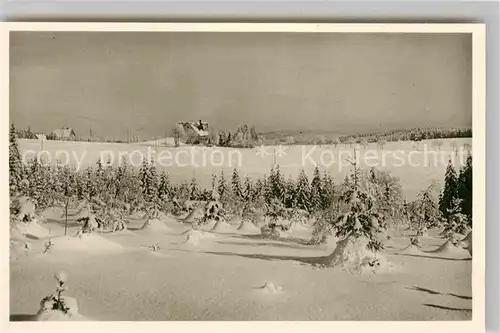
<point>352,254</point>
<point>222,226</point>
<point>449,249</point>
<point>466,243</point>
<point>88,243</point>
<point>154,225</point>
<point>194,237</point>
<point>270,287</point>
<point>411,249</point>
<point>248,226</point>
<point>33,229</point>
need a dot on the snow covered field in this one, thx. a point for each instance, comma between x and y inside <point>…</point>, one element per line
<point>234,275</point>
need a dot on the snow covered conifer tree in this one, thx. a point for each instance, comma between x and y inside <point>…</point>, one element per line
<point>303,192</point>
<point>37,180</point>
<point>149,181</point>
<point>450,190</point>
<point>465,188</point>
<point>456,222</point>
<point>164,188</point>
<point>316,189</point>
<point>222,186</point>
<point>247,190</point>
<point>290,200</point>
<point>358,224</point>
<point>236,185</point>
<point>90,183</point>
<point>15,162</point>
<point>328,192</point>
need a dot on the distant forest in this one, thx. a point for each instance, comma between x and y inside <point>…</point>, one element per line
<point>409,134</point>
<point>402,134</point>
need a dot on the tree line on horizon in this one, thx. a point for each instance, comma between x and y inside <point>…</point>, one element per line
<point>248,137</point>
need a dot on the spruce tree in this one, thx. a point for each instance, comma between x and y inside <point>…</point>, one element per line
<point>120,181</point>
<point>328,192</point>
<point>90,183</point>
<point>15,163</point>
<point>214,181</point>
<point>164,188</point>
<point>465,187</point>
<point>37,180</point>
<point>236,185</point>
<point>360,214</point>
<point>290,195</point>
<point>259,189</point>
<point>456,222</point>
<point>316,189</point>
<point>269,188</point>
<point>149,181</point>
<point>99,177</point>
<point>303,192</point>
<point>222,186</point>
<point>67,191</point>
<point>450,190</point>
<point>247,190</point>
<point>275,185</point>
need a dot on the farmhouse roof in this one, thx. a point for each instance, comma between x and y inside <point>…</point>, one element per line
<point>64,133</point>
<point>194,126</point>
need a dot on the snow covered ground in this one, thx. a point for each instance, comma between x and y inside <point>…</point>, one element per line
<point>234,275</point>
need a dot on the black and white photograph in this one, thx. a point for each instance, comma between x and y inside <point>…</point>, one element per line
<point>224,173</point>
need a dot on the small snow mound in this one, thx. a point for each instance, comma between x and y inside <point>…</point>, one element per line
<point>353,255</point>
<point>466,243</point>
<point>154,225</point>
<point>411,249</point>
<point>16,234</point>
<point>193,237</point>
<point>33,229</point>
<point>46,313</point>
<point>248,226</point>
<point>222,226</point>
<point>271,288</point>
<point>448,248</point>
<point>85,242</point>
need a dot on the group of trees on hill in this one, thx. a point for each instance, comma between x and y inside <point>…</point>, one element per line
<point>408,134</point>
<point>243,137</point>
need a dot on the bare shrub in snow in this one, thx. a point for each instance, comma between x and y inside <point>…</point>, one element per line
<point>56,306</point>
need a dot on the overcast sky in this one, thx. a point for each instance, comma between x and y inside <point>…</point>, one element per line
<point>276,81</point>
